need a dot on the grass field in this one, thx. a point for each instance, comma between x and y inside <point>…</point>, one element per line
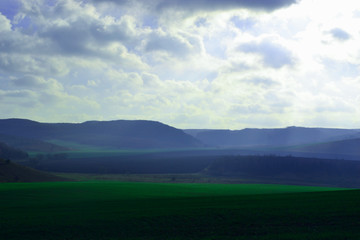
<point>120,210</point>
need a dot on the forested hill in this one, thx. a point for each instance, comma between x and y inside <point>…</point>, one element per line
<point>119,133</point>
<point>343,147</point>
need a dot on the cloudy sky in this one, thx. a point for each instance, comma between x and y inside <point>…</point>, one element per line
<point>187,63</point>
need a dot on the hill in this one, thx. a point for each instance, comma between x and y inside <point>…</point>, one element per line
<point>28,144</point>
<point>7,152</point>
<point>12,172</point>
<point>270,137</point>
<point>116,134</point>
<point>343,147</point>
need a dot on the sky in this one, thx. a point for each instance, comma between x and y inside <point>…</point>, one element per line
<point>229,64</point>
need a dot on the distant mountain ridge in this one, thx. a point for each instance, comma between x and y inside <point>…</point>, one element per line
<point>252,137</point>
<point>117,133</point>
<point>348,147</point>
<point>34,136</point>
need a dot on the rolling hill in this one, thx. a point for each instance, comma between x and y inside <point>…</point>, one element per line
<point>114,134</point>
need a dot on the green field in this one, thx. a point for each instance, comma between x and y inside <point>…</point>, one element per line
<point>120,210</point>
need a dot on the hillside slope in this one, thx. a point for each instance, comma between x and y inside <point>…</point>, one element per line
<point>28,144</point>
<point>118,134</point>
<point>7,152</point>
<point>12,172</point>
<point>345,147</point>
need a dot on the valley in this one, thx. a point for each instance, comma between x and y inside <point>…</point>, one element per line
<point>147,180</point>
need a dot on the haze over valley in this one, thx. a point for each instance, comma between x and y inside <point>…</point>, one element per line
<point>326,156</point>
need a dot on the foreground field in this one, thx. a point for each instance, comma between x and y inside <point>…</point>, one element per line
<point>118,210</point>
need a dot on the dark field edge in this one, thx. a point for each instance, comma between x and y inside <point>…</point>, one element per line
<point>198,178</point>
<point>316,215</point>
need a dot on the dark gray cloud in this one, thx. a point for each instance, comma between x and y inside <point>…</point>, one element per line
<point>29,82</point>
<point>36,82</point>
<point>20,94</point>
<point>205,5</point>
<point>213,5</point>
<point>69,28</point>
<point>81,36</point>
<point>69,40</point>
<point>274,55</point>
<point>340,34</point>
<point>29,64</point>
<point>9,8</point>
